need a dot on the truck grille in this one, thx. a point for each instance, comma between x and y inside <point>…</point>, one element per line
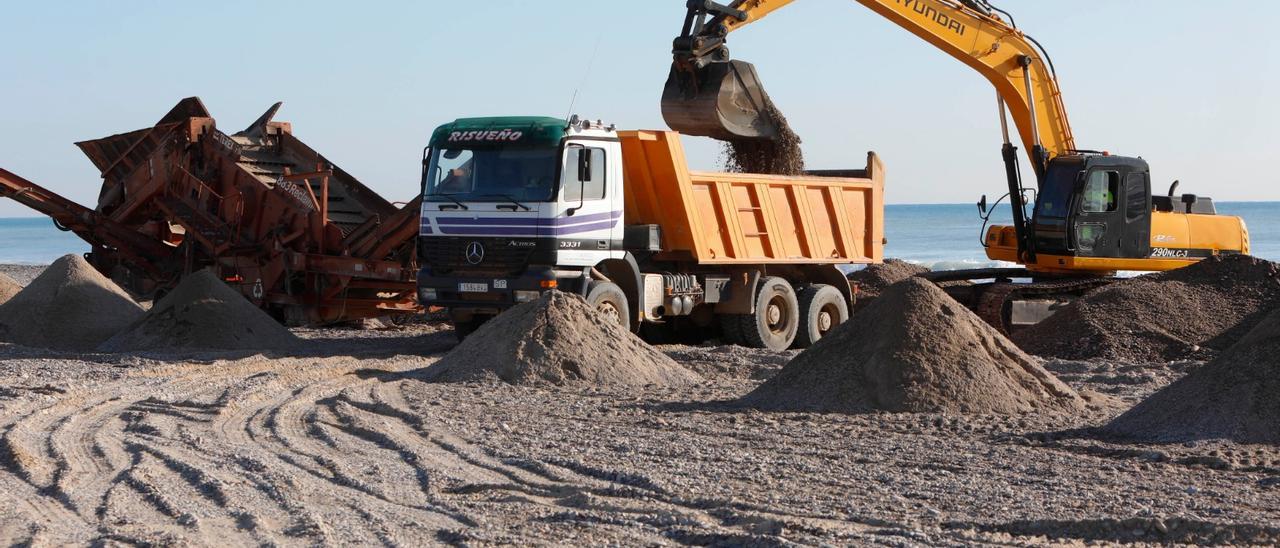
<point>449,256</point>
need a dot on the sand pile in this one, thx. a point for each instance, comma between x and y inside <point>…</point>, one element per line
<point>1235,397</point>
<point>915,350</point>
<point>556,340</point>
<point>70,306</point>
<point>874,279</point>
<point>1195,311</point>
<point>202,313</point>
<point>8,288</point>
<point>779,156</point>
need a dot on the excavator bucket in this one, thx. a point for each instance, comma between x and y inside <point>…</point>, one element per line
<point>723,100</point>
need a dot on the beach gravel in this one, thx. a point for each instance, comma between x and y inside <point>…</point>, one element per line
<point>342,440</point>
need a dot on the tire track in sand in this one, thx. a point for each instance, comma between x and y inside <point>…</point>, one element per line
<point>287,433</point>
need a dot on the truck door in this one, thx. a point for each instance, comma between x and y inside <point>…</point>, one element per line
<point>585,230</point>
<point>1099,219</point>
<point>1137,216</point>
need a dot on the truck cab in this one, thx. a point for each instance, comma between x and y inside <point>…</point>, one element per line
<point>513,206</point>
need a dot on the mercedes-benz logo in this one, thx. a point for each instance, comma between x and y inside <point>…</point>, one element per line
<point>475,253</point>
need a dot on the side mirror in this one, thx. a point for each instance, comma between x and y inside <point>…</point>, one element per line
<point>982,205</point>
<point>584,175</point>
<point>426,168</point>
<point>582,190</point>
<point>584,164</point>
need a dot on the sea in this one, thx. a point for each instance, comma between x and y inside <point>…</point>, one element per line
<point>941,237</point>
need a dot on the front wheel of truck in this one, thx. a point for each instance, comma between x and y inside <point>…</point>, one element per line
<point>776,319</point>
<point>609,300</point>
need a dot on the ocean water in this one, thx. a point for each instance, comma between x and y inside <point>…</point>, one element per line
<point>942,237</point>
<point>34,240</point>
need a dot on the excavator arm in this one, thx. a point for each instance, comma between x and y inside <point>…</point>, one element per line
<point>709,94</point>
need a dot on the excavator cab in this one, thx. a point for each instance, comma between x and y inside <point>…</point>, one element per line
<point>1092,205</point>
<point>720,99</point>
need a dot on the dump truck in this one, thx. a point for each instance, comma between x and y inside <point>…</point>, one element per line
<point>516,206</point>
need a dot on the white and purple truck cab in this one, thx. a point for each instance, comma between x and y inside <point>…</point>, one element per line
<point>514,206</point>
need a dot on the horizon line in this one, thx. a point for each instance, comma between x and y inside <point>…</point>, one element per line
<point>967,204</point>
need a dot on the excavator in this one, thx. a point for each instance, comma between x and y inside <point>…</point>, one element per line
<point>1092,213</point>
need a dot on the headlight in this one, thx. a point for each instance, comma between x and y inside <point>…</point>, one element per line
<point>526,296</point>
<point>426,294</point>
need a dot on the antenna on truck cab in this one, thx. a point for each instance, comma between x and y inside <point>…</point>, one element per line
<point>586,74</point>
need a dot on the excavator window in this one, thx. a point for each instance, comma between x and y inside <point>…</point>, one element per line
<point>1135,200</point>
<point>1100,192</point>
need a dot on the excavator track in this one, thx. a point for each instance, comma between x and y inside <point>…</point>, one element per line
<point>995,301</point>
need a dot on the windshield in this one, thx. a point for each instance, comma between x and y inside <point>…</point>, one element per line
<point>1054,201</point>
<point>492,174</point>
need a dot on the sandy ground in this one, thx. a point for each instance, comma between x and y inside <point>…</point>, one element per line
<point>21,273</point>
<point>345,444</point>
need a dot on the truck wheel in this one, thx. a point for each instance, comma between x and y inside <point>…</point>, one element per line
<point>609,300</point>
<point>777,316</point>
<point>822,308</point>
<point>464,328</point>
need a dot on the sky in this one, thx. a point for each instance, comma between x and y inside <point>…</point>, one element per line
<point>1189,85</point>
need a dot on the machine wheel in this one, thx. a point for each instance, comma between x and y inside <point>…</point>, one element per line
<point>777,316</point>
<point>464,328</point>
<point>609,300</point>
<point>822,308</point>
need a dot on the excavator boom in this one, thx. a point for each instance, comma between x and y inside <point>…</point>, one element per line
<point>708,94</point>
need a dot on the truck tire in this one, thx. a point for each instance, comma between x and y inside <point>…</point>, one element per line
<point>822,308</point>
<point>609,300</point>
<point>776,319</point>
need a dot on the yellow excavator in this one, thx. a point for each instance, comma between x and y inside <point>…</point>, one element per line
<point>1092,213</point>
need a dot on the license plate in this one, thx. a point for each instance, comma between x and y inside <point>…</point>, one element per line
<point>473,288</point>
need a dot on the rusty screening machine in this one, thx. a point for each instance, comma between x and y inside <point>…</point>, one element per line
<point>296,235</point>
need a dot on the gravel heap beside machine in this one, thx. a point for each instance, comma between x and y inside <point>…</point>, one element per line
<point>299,237</point>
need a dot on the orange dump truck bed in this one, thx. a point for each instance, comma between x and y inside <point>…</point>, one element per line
<point>735,218</point>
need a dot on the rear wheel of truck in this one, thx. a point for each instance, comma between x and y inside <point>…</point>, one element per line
<point>822,308</point>
<point>609,300</point>
<point>777,317</point>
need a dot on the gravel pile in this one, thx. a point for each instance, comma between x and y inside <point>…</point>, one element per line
<point>22,273</point>
<point>202,312</point>
<point>915,350</point>
<point>1193,312</point>
<point>70,306</point>
<point>778,156</point>
<point>558,340</point>
<point>874,279</point>
<point>1235,397</point>
<point>8,288</point>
